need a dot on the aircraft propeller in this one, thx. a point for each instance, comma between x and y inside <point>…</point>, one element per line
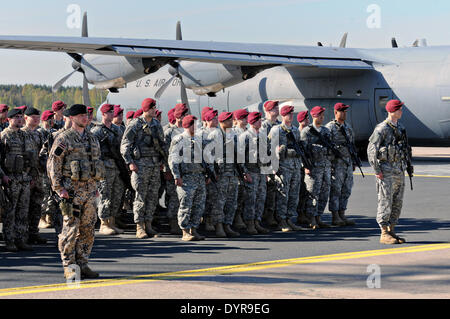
<point>76,65</point>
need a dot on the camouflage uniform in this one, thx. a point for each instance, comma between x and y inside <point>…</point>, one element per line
<point>341,168</point>
<point>138,147</point>
<point>36,140</point>
<point>112,188</point>
<point>387,155</point>
<point>15,146</point>
<point>318,182</point>
<point>289,173</point>
<point>74,165</point>
<point>3,126</point>
<point>192,194</point>
<point>58,124</point>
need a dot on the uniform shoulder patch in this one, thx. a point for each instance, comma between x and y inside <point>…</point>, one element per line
<point>60,149</point>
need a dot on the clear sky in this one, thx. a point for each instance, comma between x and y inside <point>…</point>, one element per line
<point>301,22</point>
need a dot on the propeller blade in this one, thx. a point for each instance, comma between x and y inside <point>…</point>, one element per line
<point>164,87</point>
<point>84,27</point>
<point>183,94</point>
<point>416,43</point>
<point>179,35</point>
<point>77,57</point>
<point>319,44</point>
<point>343,40</point>
<point>394,43</point>
<point>183,72</point>
<point>58,84</point>
<point>86,98</point>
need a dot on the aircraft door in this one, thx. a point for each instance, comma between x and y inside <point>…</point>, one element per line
<point>381,97</point>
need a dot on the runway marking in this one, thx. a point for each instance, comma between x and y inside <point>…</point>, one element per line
<point>418,175</point>
<point>221,270</point>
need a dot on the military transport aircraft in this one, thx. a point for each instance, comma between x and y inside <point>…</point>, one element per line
<point>229,76</point>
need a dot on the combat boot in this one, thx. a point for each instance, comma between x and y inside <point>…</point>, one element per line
<point>320,223</point>
<point>386,237</point>
<point>251,230</point>
<point>293,226</point>
<point>283,225</point>
<point>270,220</point>
<point>174,228</point>
<point>336,220</point>
<point>43,223</point>
<point>36,239</point>
<point>302,219</point>
<point>148,228</point>
<point>21,245</point>
<point>348,222</point>
<point>238,222</point>
<point>259,228</point>
<point>391,230</point>
<point>113,225</point>
<point>209,225</point>
<point>230,232</point>
<point>140,231</point>
<point>219,231</point>
<point>105,227</point>
<point>11,247</point>
<point>196,234</point>
<point>87,273</point>
<point>313,223</point>
<point>187,236</point>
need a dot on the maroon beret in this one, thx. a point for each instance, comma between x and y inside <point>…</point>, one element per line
<point>138,113</point>
<point>254,117</point>
<point>90,109</point>
<point>287,109</point>
<point>301,116</point>
<point>180,110</point>
<point>129,115</point>
<point>106,108</point>
<point>4,108</point>
<point>171,116</point>
<point>158,113</point>
<point>117,110</point>
<point>188,121</point>
<point>47,114</point>
<point>58,105</point>
<point>393,105</point>
<point>22,108</point>
<point>147,104</point>
<point>205,110</point>
<point>341,107</point>
<point>225,116</point>
<point>269,105</point>
<point>210,115</point>
<point>317,110</point>
<point>240,114</point>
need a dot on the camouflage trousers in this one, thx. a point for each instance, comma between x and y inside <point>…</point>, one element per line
<point>15,219</point>
<point>145,184</point>
<point>271,194</point>
<point>318,188</point>
<point>255,197</point>
<point>36,202</point>
<point>225,204</point>
<point>192,196</point>
<point>341,186</point>
<point>50,206</point>
<point>112,191</point>
<point>173,204</point>
<point>241,198</point>
<point>390,192</point>
<point>303,194</point>
<point>78,233</point>
<point>288,187</point>
<point>211,197</point>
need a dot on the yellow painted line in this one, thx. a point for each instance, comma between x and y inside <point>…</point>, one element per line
<point>221,270</point>
<point>436,176</point>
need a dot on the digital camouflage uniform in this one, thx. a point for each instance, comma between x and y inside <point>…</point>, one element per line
<point>341,168</point>
<point>318,182</point>
<point>211,189</point>
<point>3,126</point>
<point>241,184</point>
<point>112,188</point>
<point>386,154</point>
<point>74,165</point>
<point>138,146</point>
<point>192,194</point>
<point>288,176</point>
<point>15,164</point>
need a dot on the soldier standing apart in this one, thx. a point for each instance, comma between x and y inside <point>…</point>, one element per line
<point>387,153</point>
<point>3,116</point>
<point>14,151</point>
<point>317,179</point>
<point>59,107</point>
<point>186,152</point>
<point>271,110</point>
<point>255,191</point>
<point>303,121</point>
<point>112,188</point>
<point>342,167</point>
<point>74,168</point>
<point>288,175</point>
<point>140,148</point>
<point>37,168</point>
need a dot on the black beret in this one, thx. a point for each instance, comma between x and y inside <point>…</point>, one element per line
<point>14,112</point>
<point>32,111</point>
<point>66,113</point>
<point>77,109</point>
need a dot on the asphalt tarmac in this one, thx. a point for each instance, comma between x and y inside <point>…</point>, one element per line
<point>338,262</point>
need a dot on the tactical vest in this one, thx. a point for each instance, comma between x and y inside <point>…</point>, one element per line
<point>146,141</point>
<point>82,161</point>
<point>17,153</point>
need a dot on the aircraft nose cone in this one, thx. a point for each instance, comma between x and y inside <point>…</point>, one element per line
<point>172,70</point>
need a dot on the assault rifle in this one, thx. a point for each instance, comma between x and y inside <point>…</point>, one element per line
<point>352,149</point>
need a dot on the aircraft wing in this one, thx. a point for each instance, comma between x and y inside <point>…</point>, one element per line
<point>202,51</point>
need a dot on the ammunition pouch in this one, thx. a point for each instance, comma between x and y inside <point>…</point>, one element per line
<point>136,153</point>
<point>291,153</point>
<point>75,170</point>
<point>66,207</point>
<point>383,154</point>
<point>14,163</point>
<point>98,170</point>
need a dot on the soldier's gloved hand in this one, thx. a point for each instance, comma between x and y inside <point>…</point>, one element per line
<point>179,182</point>
<point>133,167</point>
<point>64,194</point>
